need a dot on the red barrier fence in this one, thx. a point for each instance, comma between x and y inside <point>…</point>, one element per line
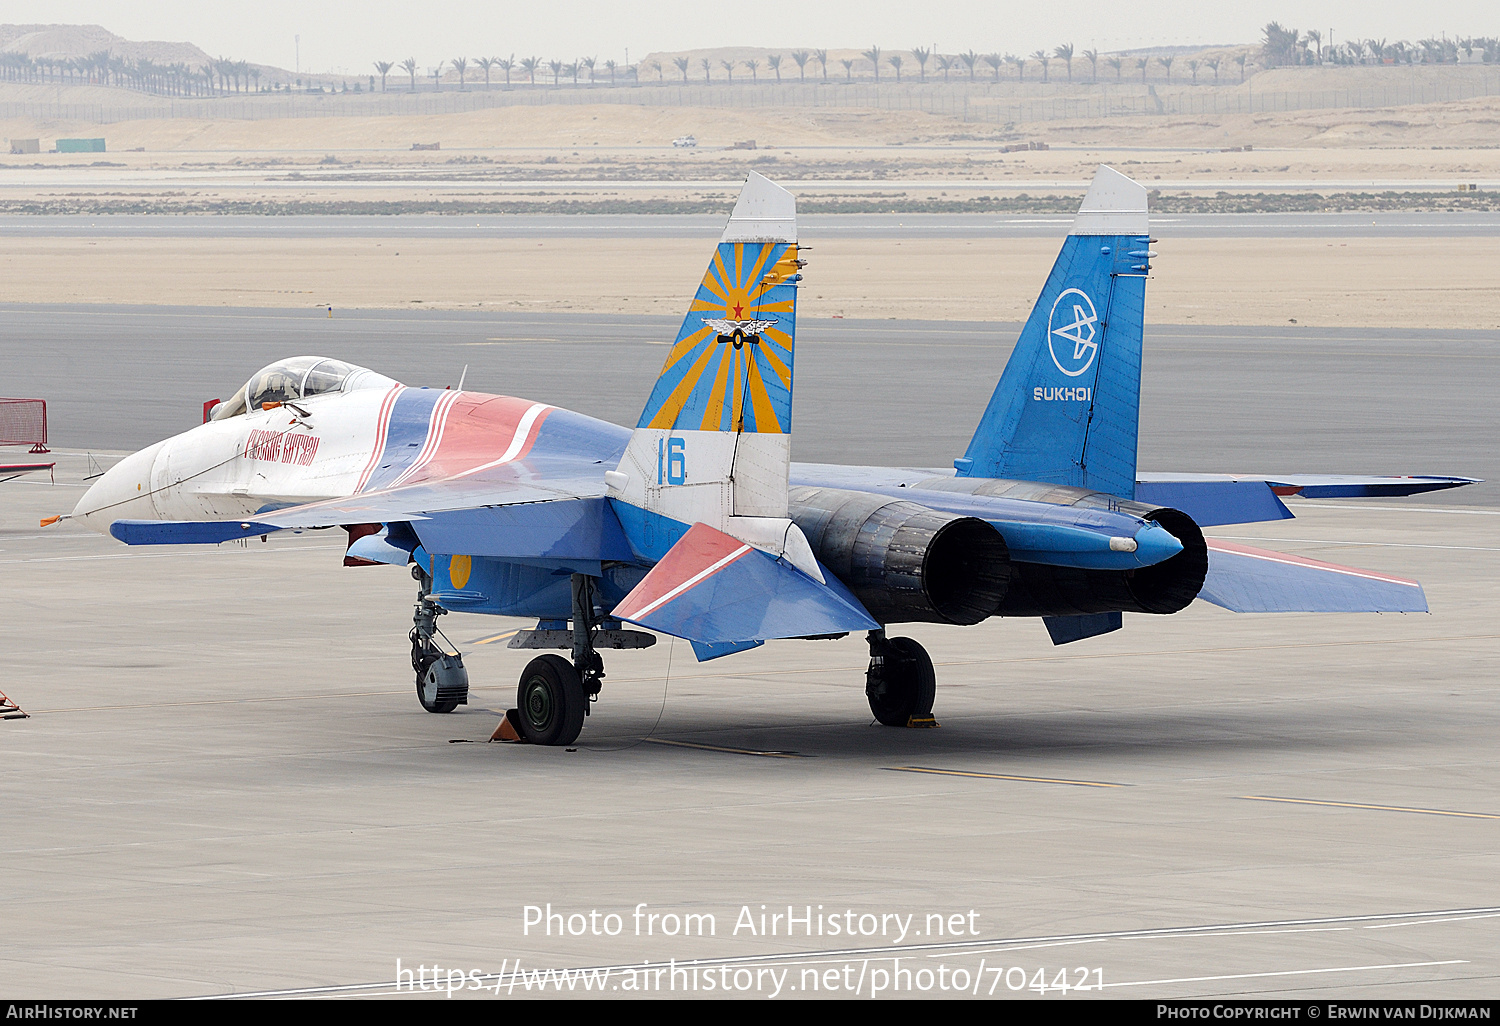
<point>24,422</point>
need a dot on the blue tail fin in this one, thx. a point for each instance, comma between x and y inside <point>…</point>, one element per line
<point>1067,406</point>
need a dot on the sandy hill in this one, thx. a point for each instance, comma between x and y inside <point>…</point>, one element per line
<point>62,41</point>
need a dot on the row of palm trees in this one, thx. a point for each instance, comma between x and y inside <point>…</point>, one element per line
<point>216,77</point>
<point>1287,47</point>
<point>970,62</point>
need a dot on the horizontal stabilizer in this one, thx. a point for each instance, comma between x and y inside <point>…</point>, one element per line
<point>1249,580</point>
<point>1216,494</point>
<point>186,532</point>
<point>1065,629</point>
<point>712,589</point>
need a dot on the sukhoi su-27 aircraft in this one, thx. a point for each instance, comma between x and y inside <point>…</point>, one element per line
<point>697,524</point>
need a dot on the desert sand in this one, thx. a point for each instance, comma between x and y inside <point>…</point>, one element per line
<point>1420,283</point>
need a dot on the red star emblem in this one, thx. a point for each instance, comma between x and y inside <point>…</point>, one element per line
<point>738,308</point>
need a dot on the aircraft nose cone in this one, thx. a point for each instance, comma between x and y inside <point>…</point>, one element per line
<point>1154,543</point>
<point>123,493</point>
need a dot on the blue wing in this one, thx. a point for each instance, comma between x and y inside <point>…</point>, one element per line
<point>1249,580</point>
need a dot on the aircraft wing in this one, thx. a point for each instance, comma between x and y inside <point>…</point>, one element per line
<point>1251,580</point>
<point>1214,500</point>
<point>514,511</point>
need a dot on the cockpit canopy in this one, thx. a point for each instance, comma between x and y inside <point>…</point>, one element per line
<point>300,377</point>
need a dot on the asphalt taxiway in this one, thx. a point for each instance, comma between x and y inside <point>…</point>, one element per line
<point>227,786</point>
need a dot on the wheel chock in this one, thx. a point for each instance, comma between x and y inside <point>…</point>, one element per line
<point>510,728</point>
<point>922,721</point>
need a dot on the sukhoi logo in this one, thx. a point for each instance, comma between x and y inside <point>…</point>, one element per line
<point>1073,332</point>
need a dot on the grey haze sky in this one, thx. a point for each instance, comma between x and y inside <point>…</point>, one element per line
<point>346,37</point>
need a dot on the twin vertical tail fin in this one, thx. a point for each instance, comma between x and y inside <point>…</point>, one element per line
<point>713,445</point>
<point>1066,410</point>
<point>702,489</point>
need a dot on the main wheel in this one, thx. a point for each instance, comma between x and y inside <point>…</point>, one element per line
<point>550,701</point>
<point>900,683</point>
<point>442,683</point>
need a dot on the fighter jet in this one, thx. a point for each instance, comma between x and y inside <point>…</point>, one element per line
<point>697,524</point>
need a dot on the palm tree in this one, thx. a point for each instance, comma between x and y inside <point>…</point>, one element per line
<point>994,60</point>
<point>505,64</point>
<point>437,79</point>
<point>531,65</point>
<point>848,69</point>
<point>556,67</point>
<point>681,64</point>
<point>943,64</point>
<point>754,66</point>
<point>970,59</point>
<point>1020,68</point>
<point>801,56</point>
<point>571,70</point>
<point>1240,60</point>
<point>1140,64</point>
<point>1117,63</point>
<point>773,61</point>
<point>1166,62</point>
<point>728,70</point>
<point>1041,55</point>
<point>410,64</point>
<point>708,69</point>
<point>460,65</point>
<point>657,66</point>
<point>921,54</point>
<point>1316,39</point>
<point>1065,52</point>
<point>873,56</point>
<point>384,67</point>
<point>610,66</point>
<point>1092,56</point>
<point>486,63</point>
<point>1213,65</point>
<point>588,62</point>
<point>1193,66</point>
<point>821,56</point>
<point>895,61</point>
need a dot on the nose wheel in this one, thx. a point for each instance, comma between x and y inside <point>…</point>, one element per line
<point>900,683</point>
<point>442,681</point>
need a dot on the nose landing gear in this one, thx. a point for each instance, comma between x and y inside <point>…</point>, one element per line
<point>442,681</point>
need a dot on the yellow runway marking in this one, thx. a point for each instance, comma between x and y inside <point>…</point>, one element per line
<point>1377,808</point>
<point>495,637</point>
<point>1004,776</point>
<point>731,751</point>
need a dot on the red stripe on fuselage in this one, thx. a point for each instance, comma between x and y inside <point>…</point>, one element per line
<point>472,431</point>
<point>382,425</point>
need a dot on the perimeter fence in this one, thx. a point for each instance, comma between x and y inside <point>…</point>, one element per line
<point>977,102</point>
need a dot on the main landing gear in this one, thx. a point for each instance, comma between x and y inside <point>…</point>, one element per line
<point>554,694</point>
<point>900,682</point>
<point>442,681</point>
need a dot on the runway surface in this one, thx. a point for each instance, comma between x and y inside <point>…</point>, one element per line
<point>227,785</point>
<point>906,393</point>
<point>699,226</point>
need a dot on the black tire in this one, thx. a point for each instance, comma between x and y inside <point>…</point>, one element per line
<point>550,701</point>
<point>904,687</point>
<point>426,691</point>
